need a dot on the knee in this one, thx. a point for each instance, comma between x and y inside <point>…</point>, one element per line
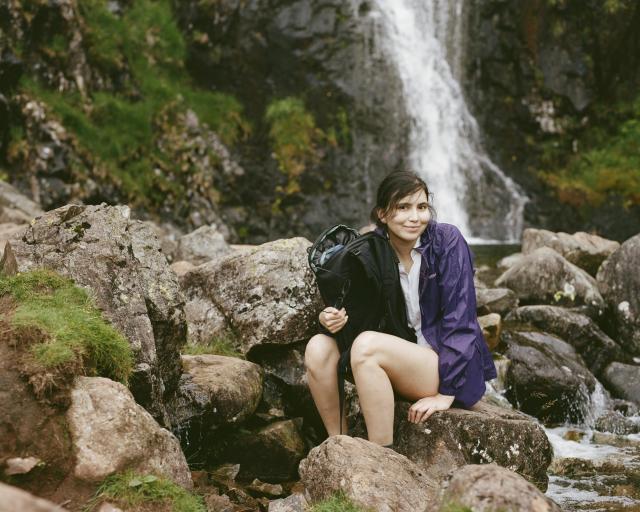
<point>364,348</point>
<point>321,352</point>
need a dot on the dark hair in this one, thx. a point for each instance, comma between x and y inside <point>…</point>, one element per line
<point>393,188</point>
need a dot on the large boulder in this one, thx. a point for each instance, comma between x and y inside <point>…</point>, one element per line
<point>623,380</point>
<point>112,433</point>
<point>267,293</point>
<point>495,300</point>
<point>13,499</point>
<point>451,439</point>
<point>119,261</point>
<point>488,487</point>
<point>547,378</point>
<point>596,348</point>
<point>619,282</point>
<point>373,477</point>
<point>582,249</point>
<point>545,277</point>
<point>204,244</point>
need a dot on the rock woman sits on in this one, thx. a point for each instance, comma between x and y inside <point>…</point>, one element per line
<point>449,362</point>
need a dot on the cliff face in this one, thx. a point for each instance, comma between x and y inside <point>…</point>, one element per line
<point>554,87</point>
<point>280,116</point>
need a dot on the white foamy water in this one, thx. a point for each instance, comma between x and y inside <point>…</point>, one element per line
<point>425,41</point>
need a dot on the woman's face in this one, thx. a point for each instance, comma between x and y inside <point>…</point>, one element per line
<point>409,218</point>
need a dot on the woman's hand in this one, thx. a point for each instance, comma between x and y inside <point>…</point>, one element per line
<point>332,319</point>
<point>425,407</point>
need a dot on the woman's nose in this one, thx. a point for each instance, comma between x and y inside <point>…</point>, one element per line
<point>413,214</point>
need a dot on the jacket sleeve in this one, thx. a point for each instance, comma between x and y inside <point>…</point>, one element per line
<point>458,327</point>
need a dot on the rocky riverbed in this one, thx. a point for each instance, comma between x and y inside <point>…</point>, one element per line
<point>217,400</point>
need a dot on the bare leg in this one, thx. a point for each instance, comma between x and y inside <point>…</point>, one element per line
<point>382,364</point>
<point>321,360</point>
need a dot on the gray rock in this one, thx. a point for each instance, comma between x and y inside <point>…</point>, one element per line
<point>373,477</point>
<point>509,261</point>
<point>487,433</point>
<point>9,231</point>
<point>204,244</point>
<point>547,378</point>
<point>596,348</point>
<point>294,503</point>
<point>489,487</point>
<point>491,326</point>
<point>229,388</point>
<point>545,277</point>
<point>13,499</point>
<point>619,282</point>
<point>623,380</point>
<point>582,249</point>
<point>8,263</point>
<point>271,453</point>
<point>495,300</point>
<point>267,293</point>
<point>120,262</point>
<point>111,433</point>
<point>615,423</point>
<point>16,208</point>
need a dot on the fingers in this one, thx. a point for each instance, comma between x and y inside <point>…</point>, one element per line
<point>332,319</point>
<point>424,416</point>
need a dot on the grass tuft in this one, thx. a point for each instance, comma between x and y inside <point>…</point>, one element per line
<point>221,346</point>
<point>129,489</point>
<point>337,503</point>
<point>75,328</point>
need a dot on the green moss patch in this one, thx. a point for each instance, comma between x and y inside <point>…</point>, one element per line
<point>67,331</point>
<point>143,51</point>
<point>145,492</point>
<point>337,503</point>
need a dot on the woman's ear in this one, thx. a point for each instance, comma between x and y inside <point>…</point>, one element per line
<point>382,216</point>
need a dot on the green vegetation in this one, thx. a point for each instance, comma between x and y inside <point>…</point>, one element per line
<point>221,346</point>
<point>337,503</point>
<point>454,507</point>
<point>129,489</point>
<point>608,165</point>
<point>77,334</point>
<point>118,130</point>
<point>294,135</point>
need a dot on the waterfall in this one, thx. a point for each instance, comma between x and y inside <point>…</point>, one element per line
<point>425,39</point>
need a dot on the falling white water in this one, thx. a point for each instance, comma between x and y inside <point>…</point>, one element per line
<point>425,41</point>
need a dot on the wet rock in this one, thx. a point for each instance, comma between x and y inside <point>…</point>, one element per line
<point>616,423</point>
<point>582,249</point>
<point>271,453</point>
<point>204,244</point>
<point>619,283</point>
<point>491,327</point>
<point>573,467</point>
<point>547,378</point>
<point>232,388</point>
<point>294,503</point>
<point>620,441</point>
<point>545,277</point>
<point>13,499</point>
<point>489,487</point>
<point>267,293</point>
<point>596,348</point>
<point>373,477</point>
<point>111,433</point>
<point>495,300</point>
<point>487,433</point>
<point>623,380</point>
<point>15,207</point>
<point>120,262</point>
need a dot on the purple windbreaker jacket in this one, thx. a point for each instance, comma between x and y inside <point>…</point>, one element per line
<point>448,313</point>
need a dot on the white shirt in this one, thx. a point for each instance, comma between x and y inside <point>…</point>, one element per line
<point>410,288</point>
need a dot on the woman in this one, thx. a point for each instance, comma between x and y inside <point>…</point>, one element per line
<point>450,361</point>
